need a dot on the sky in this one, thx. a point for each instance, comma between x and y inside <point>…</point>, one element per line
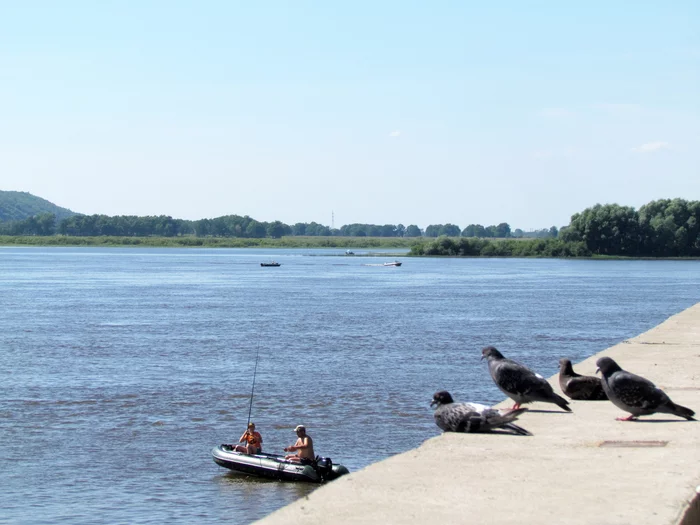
<point>378,112</point>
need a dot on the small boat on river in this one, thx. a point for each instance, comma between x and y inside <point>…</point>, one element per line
<point>271,263</point>
<point>395,263</point>
<point>274,466</point>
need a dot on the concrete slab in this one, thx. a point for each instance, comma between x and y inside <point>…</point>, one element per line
<point>579,468</point>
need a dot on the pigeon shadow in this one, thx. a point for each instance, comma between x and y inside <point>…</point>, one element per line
<point>661,421</point>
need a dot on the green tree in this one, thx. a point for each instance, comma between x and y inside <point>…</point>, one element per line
<point>374,231</point>
<point>316,229</point>
<point>299,229</point>
<point>388,230</point>
<point>412,231</point>
<point>433,230</point>
<point>46,224</point>
<point>469,231</point>
<point>255,230</point>
<point>502,230</point>
<point>670,227</point>
<point>277,229</point>
<point>606,230</point>
<point>450,230</point>
<point>202,228</point>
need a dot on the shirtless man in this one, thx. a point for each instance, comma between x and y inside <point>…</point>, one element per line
<point>304,447</point>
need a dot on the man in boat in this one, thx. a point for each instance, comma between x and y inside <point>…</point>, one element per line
<point>252,439</point>
<point>304,447</point>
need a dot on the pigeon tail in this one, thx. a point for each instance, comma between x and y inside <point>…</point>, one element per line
<point>678,410</point>
<point>560,402</point>
<point>510,415</point>
<point>516,429</point>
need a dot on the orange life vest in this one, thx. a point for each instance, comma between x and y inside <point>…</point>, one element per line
<point>254,438</point>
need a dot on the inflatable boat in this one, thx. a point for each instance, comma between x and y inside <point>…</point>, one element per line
<point>276,467</point>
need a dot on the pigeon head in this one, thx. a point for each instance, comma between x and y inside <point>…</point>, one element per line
<point>490,352</point>
<point>607,366</point>
<point>441,398</point>
<point>565,366</point>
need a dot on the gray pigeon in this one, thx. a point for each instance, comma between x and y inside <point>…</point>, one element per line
<point>636,395</point>
<point>473,417</point>
<point>576,386</point>
<point>520,383</point>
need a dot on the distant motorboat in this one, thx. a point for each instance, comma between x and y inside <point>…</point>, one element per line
<point>271,263</point>
<point>395,263</point>
<point>349,252</point>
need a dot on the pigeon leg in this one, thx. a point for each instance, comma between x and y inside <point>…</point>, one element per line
<point>631,417</point>
<point>516,406</point>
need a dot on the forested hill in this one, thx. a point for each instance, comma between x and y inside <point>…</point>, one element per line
<point>20,205</point>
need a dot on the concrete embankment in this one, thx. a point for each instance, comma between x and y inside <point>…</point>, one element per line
<point>579,468</point>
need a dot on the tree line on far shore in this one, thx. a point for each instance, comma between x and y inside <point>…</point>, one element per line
<point>77,225</point>
<point>661,228</point>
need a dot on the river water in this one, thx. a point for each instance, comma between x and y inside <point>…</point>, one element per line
<point>122,368</point>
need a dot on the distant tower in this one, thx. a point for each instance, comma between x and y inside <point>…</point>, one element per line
<point>332,220</point>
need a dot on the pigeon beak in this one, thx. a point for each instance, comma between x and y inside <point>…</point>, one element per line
<point>597,370</point>
<point>433,403</point>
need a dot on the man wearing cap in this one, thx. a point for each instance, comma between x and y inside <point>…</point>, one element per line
<point>304,447</point>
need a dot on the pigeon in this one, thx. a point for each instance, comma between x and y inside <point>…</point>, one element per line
<point>520,383</point>
<point>635,394</point>
<point>576,386</point>
<point>473,417</point>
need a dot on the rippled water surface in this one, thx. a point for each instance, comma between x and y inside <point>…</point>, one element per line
<point>122,368</point>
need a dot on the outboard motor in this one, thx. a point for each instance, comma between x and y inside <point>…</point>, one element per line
<point>325,467</point>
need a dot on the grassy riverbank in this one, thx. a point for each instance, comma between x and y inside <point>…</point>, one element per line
<point>419,247</point>
<point>213,242</point>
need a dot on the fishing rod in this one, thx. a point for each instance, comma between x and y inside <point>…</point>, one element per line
<point>250,408</point>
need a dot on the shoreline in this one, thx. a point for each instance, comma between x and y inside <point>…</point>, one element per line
<point>579,468</point>
<point>162,242</point>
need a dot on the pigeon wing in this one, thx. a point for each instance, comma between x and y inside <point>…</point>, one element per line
<point>584,387</point>
<point>459,417</point>
<point>533,384</point>
<point>516,378</point>
<point>636,391</point>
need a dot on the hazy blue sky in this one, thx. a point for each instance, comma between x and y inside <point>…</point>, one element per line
<point>381,112</point>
